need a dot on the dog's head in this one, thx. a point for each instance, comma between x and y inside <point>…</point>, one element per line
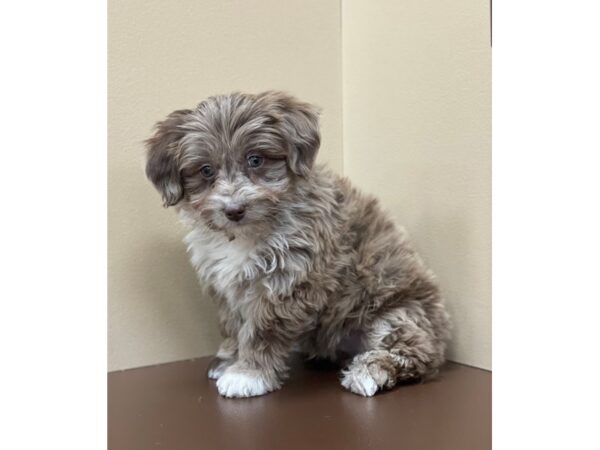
<point>230,161</point>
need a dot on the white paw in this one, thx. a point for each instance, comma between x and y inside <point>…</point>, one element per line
<point>237,383</point>
<point>359,381</point>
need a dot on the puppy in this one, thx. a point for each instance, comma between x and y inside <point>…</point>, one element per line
<point>296,258</point>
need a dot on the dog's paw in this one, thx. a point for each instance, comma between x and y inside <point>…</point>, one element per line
<point>217,367</point>
<point>359,381</point>
<point>243,383</point>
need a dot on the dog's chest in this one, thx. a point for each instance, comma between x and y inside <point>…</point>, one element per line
<point>222,263</point>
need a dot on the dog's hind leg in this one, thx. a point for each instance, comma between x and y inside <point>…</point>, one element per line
<point>399,349</point>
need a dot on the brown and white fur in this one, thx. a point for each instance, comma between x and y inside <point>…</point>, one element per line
<point>296,258</point>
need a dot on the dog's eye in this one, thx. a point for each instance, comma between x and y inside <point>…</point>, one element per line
<point>255,161</point>
<point>207,171</point>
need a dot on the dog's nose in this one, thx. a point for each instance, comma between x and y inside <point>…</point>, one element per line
<point>234,212</point>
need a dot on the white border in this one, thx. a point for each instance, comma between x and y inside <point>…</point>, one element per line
<point>546,198</point>
<point>53,240</point>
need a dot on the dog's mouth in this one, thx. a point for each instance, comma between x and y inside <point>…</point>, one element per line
<point>241,230</point>
<point>247,228</point>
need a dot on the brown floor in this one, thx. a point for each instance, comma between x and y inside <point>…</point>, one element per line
<point>174,406</point>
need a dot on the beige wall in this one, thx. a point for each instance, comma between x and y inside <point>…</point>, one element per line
<point>169,55</point>
<point>415,100</point>
<point>417,117</point>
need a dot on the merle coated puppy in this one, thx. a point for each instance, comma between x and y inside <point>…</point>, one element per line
<point>296,258</point>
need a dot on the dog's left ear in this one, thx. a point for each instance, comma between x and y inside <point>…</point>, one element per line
<point>162,166</point>
<point>300,127</point>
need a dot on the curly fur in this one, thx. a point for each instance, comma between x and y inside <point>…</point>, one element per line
<point>313,266</point>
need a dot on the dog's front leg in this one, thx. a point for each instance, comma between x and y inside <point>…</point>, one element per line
<point>263,350</point>
<point>261,365</point>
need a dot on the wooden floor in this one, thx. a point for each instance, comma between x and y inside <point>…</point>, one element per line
<point>174,406</point>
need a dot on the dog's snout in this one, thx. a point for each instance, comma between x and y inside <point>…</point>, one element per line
<point>234,212</point>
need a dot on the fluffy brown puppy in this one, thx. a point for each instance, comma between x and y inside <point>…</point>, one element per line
<point>297,259</point>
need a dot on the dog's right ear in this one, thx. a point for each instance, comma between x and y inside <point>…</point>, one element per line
<point>162,167</point>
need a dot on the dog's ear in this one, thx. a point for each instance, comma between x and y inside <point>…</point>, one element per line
<point>162,167</point>
<point>300,127</point>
